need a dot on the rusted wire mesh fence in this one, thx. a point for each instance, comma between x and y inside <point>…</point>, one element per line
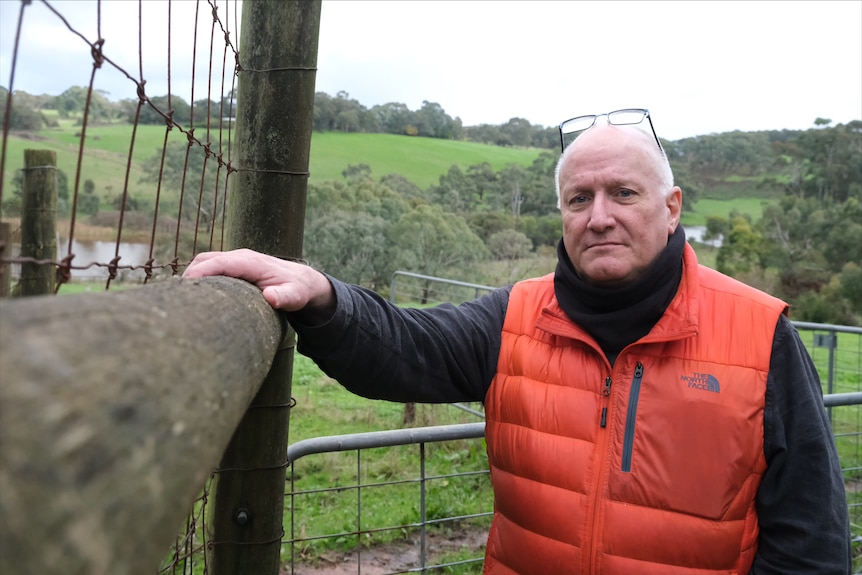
<point>140,181</point>
<point>143,180</point>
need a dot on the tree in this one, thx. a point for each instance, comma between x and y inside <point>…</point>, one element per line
<point>432,242</point>
<point>24,116</point>
<point>542,230</point>
<point>351,246</point>
<point>486,224</point>
<point>393,117</point>
<point>851,286</point>
<point>716,228</point>
<point>189,173</point>
<point>72,101</point>
<point>88,202</point>
<point>823,163</point>
<point>433,122</point>
<point>740,250</point>
<point>539,189</point>
<point>517,132</point>
<point>151,113</point>
<point>509,245</point>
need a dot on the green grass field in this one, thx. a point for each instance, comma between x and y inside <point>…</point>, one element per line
<point>420,160</point>
<point>706,207</point>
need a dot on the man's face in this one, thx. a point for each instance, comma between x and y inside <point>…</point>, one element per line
<point>616,215</point>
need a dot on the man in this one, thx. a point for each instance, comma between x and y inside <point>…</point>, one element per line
<point>645,415</point>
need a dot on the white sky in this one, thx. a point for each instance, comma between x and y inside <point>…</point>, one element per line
<point>700,67</point>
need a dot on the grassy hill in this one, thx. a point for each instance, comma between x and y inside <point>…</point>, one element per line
<point>420,160</point>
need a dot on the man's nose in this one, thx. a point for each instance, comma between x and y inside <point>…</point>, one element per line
<point>601,213</point>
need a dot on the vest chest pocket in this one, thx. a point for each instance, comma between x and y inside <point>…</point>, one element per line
<point>685,449</point>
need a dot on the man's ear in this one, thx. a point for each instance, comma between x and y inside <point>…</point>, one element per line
<point>674,209</point>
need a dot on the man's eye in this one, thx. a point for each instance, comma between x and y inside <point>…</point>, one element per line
<point>626,193</point>
<point>579,199</point>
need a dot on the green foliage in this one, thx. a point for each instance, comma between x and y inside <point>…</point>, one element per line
<point>542,230</point>
<point>23,115</point>
<point>12,205</point>
<point>716,227</point>
<point>851,286</point>
<point>824,163</point>
<point>188,171</point>
<point>744,153</point>
<point>158,108</point>
<point>486,224</point>
<point>350,246</point>
<point>740,250</point>
<point>509,245</point>
<point>88,204</point>
<point>429,241</point>
<point>814,307</point>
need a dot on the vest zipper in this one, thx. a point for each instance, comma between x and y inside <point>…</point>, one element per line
<point>594,516</point>
<point>606,393</point>
<point>631,418</point>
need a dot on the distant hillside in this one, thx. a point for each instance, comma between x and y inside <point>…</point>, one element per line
<point>420,160</point>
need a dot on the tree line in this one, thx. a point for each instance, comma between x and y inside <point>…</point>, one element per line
<point>339,113</point>
<point>27,111</point>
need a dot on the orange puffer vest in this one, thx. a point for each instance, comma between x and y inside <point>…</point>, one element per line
<point>649,467</point>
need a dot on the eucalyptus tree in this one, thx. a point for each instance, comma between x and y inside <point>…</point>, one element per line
<point>431,241</point>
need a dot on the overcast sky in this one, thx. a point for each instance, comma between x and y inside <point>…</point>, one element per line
<point>700,67</point>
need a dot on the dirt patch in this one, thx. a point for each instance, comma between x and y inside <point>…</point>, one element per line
<point>28,136</point>
<point>393,557</point>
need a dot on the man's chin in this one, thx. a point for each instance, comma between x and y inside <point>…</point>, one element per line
<point>605,276</point>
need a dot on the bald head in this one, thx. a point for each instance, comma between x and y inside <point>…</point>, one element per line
<point>607,136</point>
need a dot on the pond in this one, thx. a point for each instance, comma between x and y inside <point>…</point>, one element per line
<point>89,252</point>
<point>695,234</point>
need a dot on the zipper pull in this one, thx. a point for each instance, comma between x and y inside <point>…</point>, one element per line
<point>606,392</point>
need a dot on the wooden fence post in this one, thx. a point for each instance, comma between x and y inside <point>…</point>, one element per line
<point>39,222</point>
<point>5,252</point>
<point>266,214</point>
<point>116,409</point>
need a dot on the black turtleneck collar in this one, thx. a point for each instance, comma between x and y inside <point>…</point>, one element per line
<point>616,317</point>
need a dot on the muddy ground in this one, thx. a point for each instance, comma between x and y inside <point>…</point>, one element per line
<point>395,557</point>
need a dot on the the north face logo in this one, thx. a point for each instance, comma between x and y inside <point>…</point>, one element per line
<point>703,381</point>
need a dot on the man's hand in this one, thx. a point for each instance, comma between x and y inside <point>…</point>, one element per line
<point>286,285</point>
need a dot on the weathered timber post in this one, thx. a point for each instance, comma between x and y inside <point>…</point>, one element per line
<point>39,222</point>
<point>116,407</point>
<point>5,252</point>
<point>275,106</point>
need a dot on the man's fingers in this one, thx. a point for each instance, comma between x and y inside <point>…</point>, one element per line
<point>233,263</point>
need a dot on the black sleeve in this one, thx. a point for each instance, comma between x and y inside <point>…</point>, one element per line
<point>801,502</point>
<point>378,350</point>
